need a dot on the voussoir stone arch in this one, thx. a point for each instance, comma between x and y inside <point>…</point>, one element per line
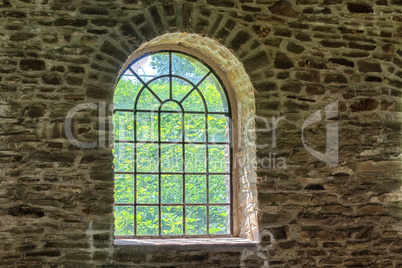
<point>145,24</point>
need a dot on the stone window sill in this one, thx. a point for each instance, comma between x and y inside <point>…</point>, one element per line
<point>189,243</point>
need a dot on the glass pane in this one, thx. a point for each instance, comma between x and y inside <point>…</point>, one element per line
<point>172,159</point>
<point>172,220</point>
<point>218,128</point>
<point>188,67</point>
<point>214,94</point>
<point>195,158</point>
<point>147,101</point>
<point>219,219</point>
<point>196,220</point>
<point>147,157</point>
<point>147,189</point>
<point>161,87</point>
<point>219,188</point>
<point>147,220</point>
<point>123,188</point>
<point>123,157</point>
<point>172,189</point>
<point>171,127</point>
<point>171,106</point>
<point>180,88</point>
<point>151,66</point>
<point>218,156</point>
<point>196,189</point>
<point>123,220</point>
<point>194,127</point>
<point>123,126</point>
<point>147,126</point>
<point>126,91</point>
<point>193,103</point>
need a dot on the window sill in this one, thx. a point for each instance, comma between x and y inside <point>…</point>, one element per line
<point>223,243</point>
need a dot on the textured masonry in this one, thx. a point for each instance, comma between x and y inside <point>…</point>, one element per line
<point>56,199</point>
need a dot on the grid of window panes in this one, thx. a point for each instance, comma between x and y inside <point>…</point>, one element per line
<point>172,151</point>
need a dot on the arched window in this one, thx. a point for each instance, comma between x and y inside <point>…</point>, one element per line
<point>173,149</point>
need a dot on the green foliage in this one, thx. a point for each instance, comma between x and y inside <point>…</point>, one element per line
<point>181,65</point>
<point>125,93</point>
<point>145,128</point>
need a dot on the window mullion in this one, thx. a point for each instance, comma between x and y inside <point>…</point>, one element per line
<point>194,88</point>
<point>184,171</point>
<point>145,85</point>
<point>170,76</point>
<point>135,172</point>
<point>160,174</point>
<point>231,174</point>
<point>207,168</point>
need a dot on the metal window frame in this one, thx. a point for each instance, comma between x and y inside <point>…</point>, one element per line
<point>183,143</point>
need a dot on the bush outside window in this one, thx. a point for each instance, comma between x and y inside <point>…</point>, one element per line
<point>172,151</point>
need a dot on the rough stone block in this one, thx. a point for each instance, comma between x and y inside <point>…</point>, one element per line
<point>344,62</point>
<point>359,8</point>
<point>293,87</point>
<point>32,65</point>
<point>282,61</point>
<point>283,8</point>
<point>335,78</point>
<point>309,76</point>
<point>364,105</point>
<point>291,47</point>
<point>366,66</point>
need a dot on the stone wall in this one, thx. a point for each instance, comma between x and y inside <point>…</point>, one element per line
<point>56,199</point>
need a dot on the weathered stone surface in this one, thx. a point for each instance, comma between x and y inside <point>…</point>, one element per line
<point>32,65</point>
<point>113,51</point>
<point>303,37</point>
<point>364,105</point>
<point>315,90</point>
<point>70,22</point>
<point>56,199</point>
<point>25,211</point>
<point>94,11</point>
<point>104,22</point>
<point>19,37</point>
<point>261,31</point>
<point>315,187</point>
<point>293,87</point>
<point>52,79</point>
<point>359,8</point>
<point>335,78</point>
<point>282,61</point>
<point>333,44</point>
<point>283,8</point>
<point>344,62</point>
<point>314,10</point>
<point>311,63</point>
<point>221,3</point>
<point>310,76</point>
<point>36,110</point>
<point>373,79</point>
<point>45,253</point>
<point>371,166</point>
<point>291,47</point>
<point>260,59</point>
<point>366,67</point>
<point>360,46</point>
<point>240,39</point>
<point>371,209</point>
